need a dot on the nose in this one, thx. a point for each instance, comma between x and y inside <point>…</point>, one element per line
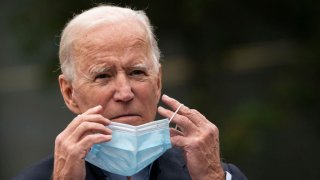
<point>123,89</point>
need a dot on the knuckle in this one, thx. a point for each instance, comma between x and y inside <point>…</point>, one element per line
<point>85,125</point>
<point>209,132</point>
<point>79,117</point>
<point>68,148</point>
<point>59,139</point>
<point>64,148</point>
<point>102,120</point>
<point>90,126</point>
<point>99,116</point>
<point>214,129</point>
<point>183,120</point>
<point>199,141</point>
<point>192,112</point>
<point>73,151</point>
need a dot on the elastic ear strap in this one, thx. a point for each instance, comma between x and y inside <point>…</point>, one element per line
<point>175,113</point>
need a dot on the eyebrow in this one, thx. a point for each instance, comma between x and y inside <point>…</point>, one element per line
<point>98,69</point>
<point>142,66</point>
<point>103,68</point>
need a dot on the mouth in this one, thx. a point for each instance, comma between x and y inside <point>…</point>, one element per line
<point>126,118</point>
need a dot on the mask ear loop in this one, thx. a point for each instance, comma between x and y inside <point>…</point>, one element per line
<point>175,114</point>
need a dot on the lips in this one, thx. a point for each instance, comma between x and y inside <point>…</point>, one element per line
<point>125,117</point>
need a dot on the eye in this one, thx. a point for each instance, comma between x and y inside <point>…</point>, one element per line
<point>102,76</point>
<point>137,73</point>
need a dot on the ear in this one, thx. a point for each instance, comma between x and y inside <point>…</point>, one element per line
<point>67,93</point>
<point>159,83</point>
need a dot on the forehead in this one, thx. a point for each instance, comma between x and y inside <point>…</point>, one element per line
<point>127,37</point>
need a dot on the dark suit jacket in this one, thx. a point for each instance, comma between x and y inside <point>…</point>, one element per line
<point>171,165</point>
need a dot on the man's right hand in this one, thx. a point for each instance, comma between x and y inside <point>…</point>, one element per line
<point>75,141</point>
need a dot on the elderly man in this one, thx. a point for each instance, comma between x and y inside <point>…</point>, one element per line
<point>111,77</point>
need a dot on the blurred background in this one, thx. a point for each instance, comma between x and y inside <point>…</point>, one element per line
<point>252,67</point>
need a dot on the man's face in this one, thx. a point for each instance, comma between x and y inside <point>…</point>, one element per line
<point>113,68</point>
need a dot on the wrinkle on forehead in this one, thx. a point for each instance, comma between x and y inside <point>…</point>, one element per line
<point>128,34</point>
<point>113,34</point>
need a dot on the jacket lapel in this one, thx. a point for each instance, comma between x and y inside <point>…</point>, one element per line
<point>171,165</point>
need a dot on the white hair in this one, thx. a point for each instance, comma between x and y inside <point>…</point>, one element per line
<point>92,18</point>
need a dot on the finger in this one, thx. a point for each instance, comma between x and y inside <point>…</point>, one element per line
<point>192,114</point>
<point>88,141</point>
<point>86,128</point>
<point>174,132</point>
<point>177,138</point>
<point>86,118</point>
<point>184,123</point>
<point>172,103</point>
<point>179,141</point>
<point>81,148</point>
<point>94,110</point>
<point>175,112</point>
<point>86,133</point>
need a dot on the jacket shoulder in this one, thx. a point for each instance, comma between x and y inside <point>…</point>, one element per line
<point>41,170</point>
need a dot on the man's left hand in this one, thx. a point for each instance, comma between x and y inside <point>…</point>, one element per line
<point>199,139</point>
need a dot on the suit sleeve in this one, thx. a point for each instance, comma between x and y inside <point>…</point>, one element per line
<point>234,171</point>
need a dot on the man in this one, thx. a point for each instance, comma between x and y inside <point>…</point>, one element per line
<point>111,73</point>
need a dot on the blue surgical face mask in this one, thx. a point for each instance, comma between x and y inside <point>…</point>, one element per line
<point>131,148</point>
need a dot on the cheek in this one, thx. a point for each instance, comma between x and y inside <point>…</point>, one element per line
<point>99,97</point>
<point>148,94</point>
<point>91,97</point>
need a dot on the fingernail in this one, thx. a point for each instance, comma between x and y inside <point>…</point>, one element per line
<point>108,137</point>
<point>166,96</point>
<point>160,108</point>
<point>98,107</point>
